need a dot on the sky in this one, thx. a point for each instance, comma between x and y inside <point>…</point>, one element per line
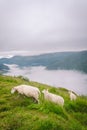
<point>43,25</point>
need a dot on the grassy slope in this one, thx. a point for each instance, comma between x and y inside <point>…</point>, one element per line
<point>22,113</point>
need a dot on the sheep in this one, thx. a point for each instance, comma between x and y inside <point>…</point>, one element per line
<point>53,98</point>
<point>72,95</point>
<point>28,91</point>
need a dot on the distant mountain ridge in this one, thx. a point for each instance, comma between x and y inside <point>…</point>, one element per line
<point>52,61</point>
<point>3,68</point>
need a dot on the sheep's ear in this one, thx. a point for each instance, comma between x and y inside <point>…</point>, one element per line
<point>13,90</point>
<point>69,90</point>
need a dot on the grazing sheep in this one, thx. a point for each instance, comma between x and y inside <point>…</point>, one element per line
<point>72,96</point>
<point>28,91</point>
<point>52,97</point>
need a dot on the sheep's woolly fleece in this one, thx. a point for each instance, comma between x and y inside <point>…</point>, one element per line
<point>28,91</point>
<point>53,97</point>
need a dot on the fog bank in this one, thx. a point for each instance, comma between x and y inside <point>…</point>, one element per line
<point>73,80</point>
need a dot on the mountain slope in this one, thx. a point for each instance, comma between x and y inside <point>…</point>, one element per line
<point>3,68</point>
<point>22,113</point>
<point>52,61</point>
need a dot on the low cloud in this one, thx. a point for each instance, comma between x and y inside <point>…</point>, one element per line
<point>43,25</point>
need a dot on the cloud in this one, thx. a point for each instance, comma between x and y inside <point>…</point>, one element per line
<point>43,25</point>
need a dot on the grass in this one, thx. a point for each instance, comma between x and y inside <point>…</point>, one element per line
<point>22,113</point>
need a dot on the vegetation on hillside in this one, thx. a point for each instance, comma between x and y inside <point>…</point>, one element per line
<point>52,61</point>
<point>22,113</point>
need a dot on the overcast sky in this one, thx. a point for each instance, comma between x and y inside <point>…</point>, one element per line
<point>43,25</point>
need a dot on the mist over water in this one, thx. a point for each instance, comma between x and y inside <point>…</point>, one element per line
<point>69,79</point>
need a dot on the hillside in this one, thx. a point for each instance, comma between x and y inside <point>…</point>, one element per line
<point>3,68</point>
<point>21,113</point>
<point>52,61</point>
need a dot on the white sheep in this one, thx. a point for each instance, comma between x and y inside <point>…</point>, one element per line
<point>72,96</point>
<point>28,91</point>
<point>52,97</point>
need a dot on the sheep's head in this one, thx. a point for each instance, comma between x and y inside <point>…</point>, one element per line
<point>13,90</point>
<point>69,91</point>
<point>45,91</point>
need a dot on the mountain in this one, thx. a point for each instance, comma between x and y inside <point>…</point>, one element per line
<point>52,61</point>
<point>18,112</point>
<point>3,68</point>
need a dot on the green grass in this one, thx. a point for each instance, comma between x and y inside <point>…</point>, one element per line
<point>22,113</point>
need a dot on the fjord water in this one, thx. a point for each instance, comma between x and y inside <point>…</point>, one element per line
<point>69,79</point>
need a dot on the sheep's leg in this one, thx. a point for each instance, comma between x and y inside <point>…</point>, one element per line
<point>34,100</point>
<point>37,100</point>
